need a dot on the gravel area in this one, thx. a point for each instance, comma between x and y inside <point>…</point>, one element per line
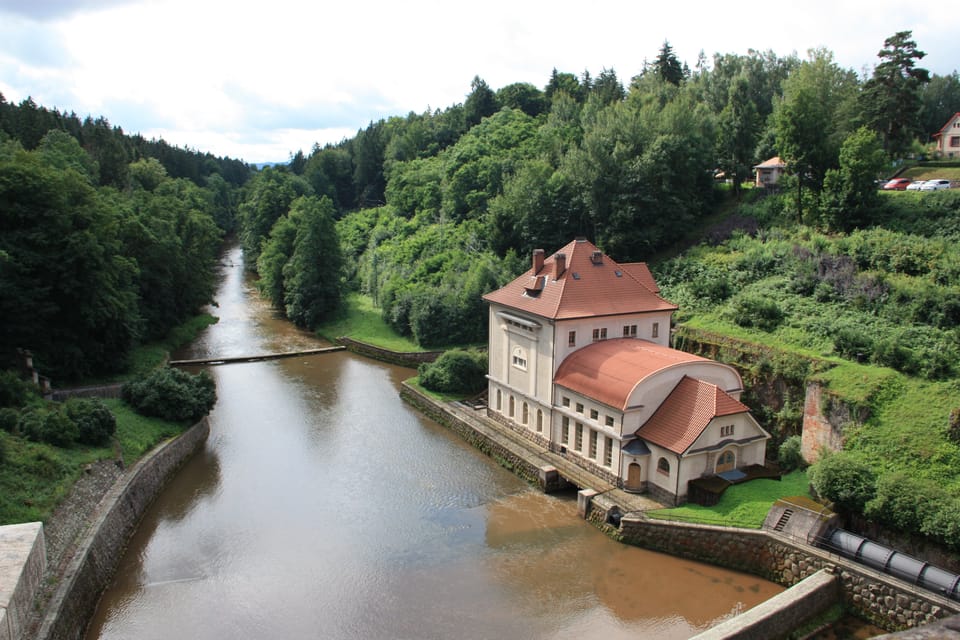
<point>67,525</point>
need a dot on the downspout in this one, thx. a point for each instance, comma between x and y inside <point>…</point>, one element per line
<point>676,491</point>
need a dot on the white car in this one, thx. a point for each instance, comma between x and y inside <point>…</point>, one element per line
<point>935,185</point>
<point>915,185</point>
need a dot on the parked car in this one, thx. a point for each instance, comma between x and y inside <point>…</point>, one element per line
<point>935,185</point>
<point>897,184</point>
<point>915,185</point>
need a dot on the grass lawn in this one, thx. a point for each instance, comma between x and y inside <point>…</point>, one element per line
<point>35,477</point>
<point>742,505</point>
<point>932,173</point>
<point>360,320</point>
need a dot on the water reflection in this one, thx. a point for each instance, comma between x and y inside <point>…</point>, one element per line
<point>324,507</point>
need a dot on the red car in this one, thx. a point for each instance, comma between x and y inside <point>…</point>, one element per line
<point>897,184</point>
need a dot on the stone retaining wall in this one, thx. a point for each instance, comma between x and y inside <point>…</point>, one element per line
<point>98,554</point>
<point>505,456</point>
<point>404,359</point>
<point>884,600</point>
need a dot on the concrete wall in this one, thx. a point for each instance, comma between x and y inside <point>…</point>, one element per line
<point>23,560</point>
<point>884,600</point>
<point>781,614</point>
<point>95,561</point>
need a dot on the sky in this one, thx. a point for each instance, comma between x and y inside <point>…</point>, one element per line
<point>259,81</point>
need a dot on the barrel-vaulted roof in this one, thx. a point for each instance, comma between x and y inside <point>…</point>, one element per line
<point>609,370</point>
<point>687,411</point>
<point>579,281</point>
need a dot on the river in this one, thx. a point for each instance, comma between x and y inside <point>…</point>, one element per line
<point>322,506</point>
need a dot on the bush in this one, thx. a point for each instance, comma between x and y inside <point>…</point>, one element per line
<point>3,447</point>
<point>13,390</point>
<point>850,341</point>
<point>95,422</point>
<point>455,372</point>
<point>844,480</point>
<point>904,502</point>
<point>789,456</point>
<point>756,311</point>
<point>52,426</point>
<point>953,426</point>
<point>8,419</point>
<point>172,394</point>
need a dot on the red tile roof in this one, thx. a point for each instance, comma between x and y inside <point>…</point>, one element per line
<point>772,163</point>
<point>946,125</point>
<point>609,370</point>
<point>591,284</point>
<point>686,412</point>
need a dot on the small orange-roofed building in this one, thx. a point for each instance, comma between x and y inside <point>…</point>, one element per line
<point>580,362</point>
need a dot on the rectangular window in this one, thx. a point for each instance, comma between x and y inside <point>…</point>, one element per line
<point>578,437</point>
<point>594,415</point>
<point>626,331</point>
<point>955,141</point>
<point>572,339</point>
<point>599,334</point>
<point>565,430</point>
<point>609,421</point>
<point>519,362</point>
<point>579,407</point>
<point>608,452</point>
<point>726,430</point>
<point>629,331</point>
<point>593,444</point>
<point>656,330</point>
<point>565,401</point>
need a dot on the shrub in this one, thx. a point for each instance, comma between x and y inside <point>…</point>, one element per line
<point>455,372</point>
<point>13,390</point>
<point>953,426</point>
<point>903,501</point>
<point>52,426</point>
<point>95,422</point>
<point>844,480</point>
<point>756,311</point>
<point>172,394</point>
<point>8,419</point>
<point>3,447</point>
<point>850,341</point>
<point>789,456</point>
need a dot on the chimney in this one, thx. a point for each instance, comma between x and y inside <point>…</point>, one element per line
<point>537,261</point>
<point>559,265</point>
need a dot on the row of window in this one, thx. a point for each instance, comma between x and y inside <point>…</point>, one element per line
<point>600,333</point>
<point>726,430</point>
<point>594,414</point>
<point>593,438</point>
<point>525,411</point>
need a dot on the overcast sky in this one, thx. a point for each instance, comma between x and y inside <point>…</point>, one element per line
<point>261,80</point>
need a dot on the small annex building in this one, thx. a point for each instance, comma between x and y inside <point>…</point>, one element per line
<point>580,362</point>
<point>769,171</point>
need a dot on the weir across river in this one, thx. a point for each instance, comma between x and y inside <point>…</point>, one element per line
<point>206,362</point>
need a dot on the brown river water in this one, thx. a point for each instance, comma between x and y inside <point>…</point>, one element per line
<point>322,506</point>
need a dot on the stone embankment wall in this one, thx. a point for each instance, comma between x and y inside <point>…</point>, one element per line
<point>101,391</point>
<point>96,559</point>
<point>403,359</point>
<point>502,454</point>
<point>886,601</point>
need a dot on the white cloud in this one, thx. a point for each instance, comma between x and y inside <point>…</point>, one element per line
<point>214,75</point>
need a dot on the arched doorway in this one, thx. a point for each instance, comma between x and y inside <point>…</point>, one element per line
<point>634,477</point>
<point>727,461</point>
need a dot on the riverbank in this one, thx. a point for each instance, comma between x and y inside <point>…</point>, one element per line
<point>87,533</point>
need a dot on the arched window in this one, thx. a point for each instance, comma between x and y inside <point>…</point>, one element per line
<point>539,420</point>
<point>499,400</point>
<point>663,466</point>
<point>511,406</point>
<point>526,413</point>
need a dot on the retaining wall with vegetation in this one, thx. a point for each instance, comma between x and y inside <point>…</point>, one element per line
<point>95,561</point>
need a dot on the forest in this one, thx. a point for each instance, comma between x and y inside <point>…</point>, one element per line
<point>423,213</point>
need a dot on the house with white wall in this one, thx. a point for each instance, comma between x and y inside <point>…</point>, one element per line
<point>948,138</point>
<point>580,362</point>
